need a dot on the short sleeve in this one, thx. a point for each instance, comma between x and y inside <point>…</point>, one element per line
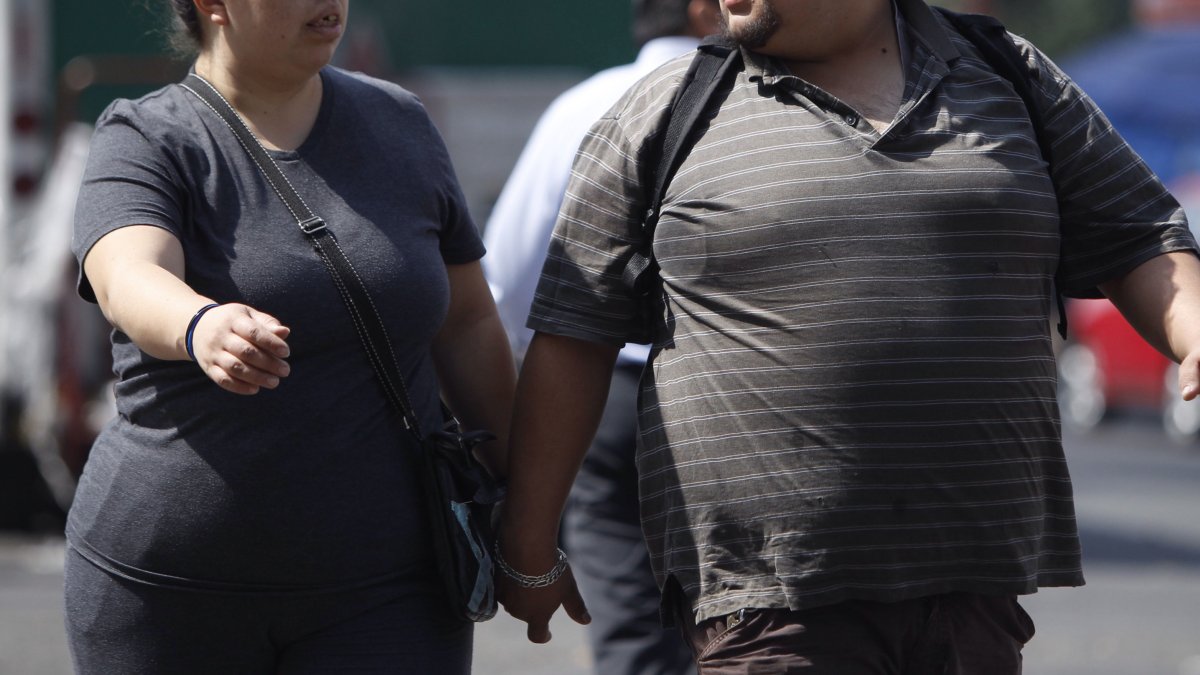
<point>129,180</point>
<point>459,239</point>
<point>1115,213</point>
<point>580,293</point>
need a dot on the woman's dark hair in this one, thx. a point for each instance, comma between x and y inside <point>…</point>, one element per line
<point>185,37</point>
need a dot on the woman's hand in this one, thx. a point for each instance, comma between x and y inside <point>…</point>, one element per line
<point>137,273</point>
<point>241,348</point>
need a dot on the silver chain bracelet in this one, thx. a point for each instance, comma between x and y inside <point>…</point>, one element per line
<point>527,581</point>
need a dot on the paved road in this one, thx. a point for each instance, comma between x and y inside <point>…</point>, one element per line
<point>1138,506</point>
<point>32,640</point>
<point>1138,503</point>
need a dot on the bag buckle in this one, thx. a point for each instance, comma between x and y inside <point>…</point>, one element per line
<point>312,225</point>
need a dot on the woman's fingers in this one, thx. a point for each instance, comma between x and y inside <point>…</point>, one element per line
<point>265,331</point>
<point>242,349</point>
<point>228,382</point>
<point>250,364</point>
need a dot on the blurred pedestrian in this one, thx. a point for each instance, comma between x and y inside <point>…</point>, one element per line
<point>601,528</point>
<point>850,456</point>
<point>254,506</point>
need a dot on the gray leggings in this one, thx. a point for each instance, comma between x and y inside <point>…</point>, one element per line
<point>119,626</point>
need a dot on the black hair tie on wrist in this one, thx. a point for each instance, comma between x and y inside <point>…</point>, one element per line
<point>191,329</point>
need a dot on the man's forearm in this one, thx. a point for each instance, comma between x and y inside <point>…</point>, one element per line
<point>561,395</point>
<point>1161,299</point>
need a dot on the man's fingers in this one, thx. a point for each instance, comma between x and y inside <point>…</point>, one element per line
<point>538,633</point>
<point>1189,379</point>
<point>573,603</point>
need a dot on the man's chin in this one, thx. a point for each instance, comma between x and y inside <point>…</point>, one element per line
<point>753,31</point>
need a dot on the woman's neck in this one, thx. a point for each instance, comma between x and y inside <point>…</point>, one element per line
<point>280,111</point>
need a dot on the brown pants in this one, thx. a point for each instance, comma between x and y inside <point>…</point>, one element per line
<point>951,634</point>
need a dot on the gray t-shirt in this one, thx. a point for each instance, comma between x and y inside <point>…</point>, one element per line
<point>310,485</point>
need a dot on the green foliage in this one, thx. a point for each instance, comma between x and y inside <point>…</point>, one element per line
<point>487,33</point>
<point>1061,26</point>
<point>1058,27</point>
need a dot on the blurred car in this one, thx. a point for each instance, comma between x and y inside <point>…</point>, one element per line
<point>1105,366</point>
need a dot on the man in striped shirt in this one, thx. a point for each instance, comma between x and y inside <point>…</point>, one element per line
<point>850,452</point>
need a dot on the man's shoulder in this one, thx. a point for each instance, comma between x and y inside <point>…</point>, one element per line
<point>618,94</point>
<point>1037,64</point>
<point>607,88</point>
<point>654,90</point>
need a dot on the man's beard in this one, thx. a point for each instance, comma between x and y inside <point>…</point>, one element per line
<point>754,33</point>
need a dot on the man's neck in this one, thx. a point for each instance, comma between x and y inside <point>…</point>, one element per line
<point>862,50</point>
<point>866,74</point>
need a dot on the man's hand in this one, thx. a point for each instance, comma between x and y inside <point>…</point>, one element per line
<point>535,606</point>
<point>1189,376</point>
<point>560,398</point>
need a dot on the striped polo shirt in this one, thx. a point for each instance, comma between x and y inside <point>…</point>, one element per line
<point>852,392</point>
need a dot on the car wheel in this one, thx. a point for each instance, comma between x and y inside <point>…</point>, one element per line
<point>1080,387</point>
<point>1181,419</point>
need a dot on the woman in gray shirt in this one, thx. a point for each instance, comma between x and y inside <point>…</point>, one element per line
<point>253,507</point>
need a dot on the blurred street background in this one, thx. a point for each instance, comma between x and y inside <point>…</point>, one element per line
<point>485,71</point>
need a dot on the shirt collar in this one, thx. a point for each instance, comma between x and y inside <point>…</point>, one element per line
<point>925,27</point>
<point>902,39</point>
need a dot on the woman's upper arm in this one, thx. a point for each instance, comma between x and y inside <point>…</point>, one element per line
<point>470,297</point>
<point>132,194</point>
<point>126,249</point>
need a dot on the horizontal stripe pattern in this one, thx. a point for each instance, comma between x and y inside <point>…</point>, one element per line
<point>853,390</point>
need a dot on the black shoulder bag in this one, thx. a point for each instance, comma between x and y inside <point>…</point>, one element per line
<point>460,493</point>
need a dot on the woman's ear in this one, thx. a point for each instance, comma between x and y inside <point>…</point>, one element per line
<point>212,11</point>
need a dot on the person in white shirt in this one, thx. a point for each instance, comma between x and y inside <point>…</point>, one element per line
<point>601,528</point>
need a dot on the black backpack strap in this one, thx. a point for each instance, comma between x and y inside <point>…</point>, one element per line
<point>996,47</point>
<point>706,75</point>
<point>992,40</point>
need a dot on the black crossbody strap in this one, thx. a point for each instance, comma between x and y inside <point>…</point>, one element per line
<point>363,313</point>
